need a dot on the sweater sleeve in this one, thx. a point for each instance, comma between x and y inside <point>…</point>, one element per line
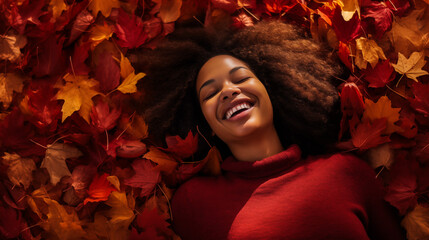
<point>383,220</point>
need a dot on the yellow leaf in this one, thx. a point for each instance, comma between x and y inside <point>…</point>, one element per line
<point>381,155</point>
<point>129,83</point>
<point>77,94</point>
<point>57,6</point>
<point>170,10</point>
<point>114,181</point>
<point>348,8</point>
<point>9,83</point>
<point>20,169</point>
<point>367,50</point>
<point>103,6</point>
<point>416,223</point>
<point>10,46</point>
<point>382,109</point>
<point>121,215</point>
<point>55,160</point>
<point>411,67</point>
<point>137,127</point>
<point>126,67</point>
<point>165,162</point>
<point>60,223</point>
<point>100,33</point>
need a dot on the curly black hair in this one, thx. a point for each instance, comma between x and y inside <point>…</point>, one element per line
<point>294,69</point>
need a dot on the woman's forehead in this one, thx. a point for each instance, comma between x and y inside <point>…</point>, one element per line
<point>217,66</point>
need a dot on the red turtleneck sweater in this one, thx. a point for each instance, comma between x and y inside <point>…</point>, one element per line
<point>286,197</point>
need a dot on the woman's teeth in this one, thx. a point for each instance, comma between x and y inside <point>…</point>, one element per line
<point>235,109</point>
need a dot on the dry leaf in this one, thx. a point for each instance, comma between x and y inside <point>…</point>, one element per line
<point>381,155</point>
<point>100,33</point>
<point>348,8</point>
<point>9,83</point>
<point>367,50</point>
<point>77,94</point>
<point>165,162</point>
<point>10,46</point>
<point>416,223</point>
<point>126,67</point>
<point>20,169</point>
<point>382,109</point>
<point>55,160</point>
<point>103,6</point>
<point>411,67</point>
<point>170,10</point>
<point>57,7</point>
<point>129,83</point>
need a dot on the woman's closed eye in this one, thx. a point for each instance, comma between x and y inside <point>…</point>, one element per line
<point>209,95</point>
<point>240,80</point>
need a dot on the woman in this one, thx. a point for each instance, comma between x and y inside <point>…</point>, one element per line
<point>264,94</point>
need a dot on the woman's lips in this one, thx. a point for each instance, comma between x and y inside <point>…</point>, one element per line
<point>235,107</point>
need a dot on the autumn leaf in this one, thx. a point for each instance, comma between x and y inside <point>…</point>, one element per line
<point>166,163</point>
<point>12,224</point>
<point>82,176</point>
<point>420,102</point>
<point>20,169</point>
<point>129,83</point>
<point>379,76</point>
<point>131,149</point>
<point>150,219</point>
<point>126,67</point>
<point>100,33</point>
<point>349,8</point>
<point>54,161</point>
<point>60,223</point>
<point>401,192</point>
<point>135,126</point>
<point>346,31</point>
<point>130,30</point>
<point>146,176</point>
<point>9,83</point>
<point>104,118</point>
<point>107,73</point>
<point>183,148</point>
<point>50,58</point>
<point>170,10</point>
<point>10,46</point>
<point>381,155</point>
<point>412,66</point>
<point>77,94</point>
<point>212,162</point>
<point>368,135</point>
<point>382,109</point>
<point>242,20</point>
<point>103,6</point>
<point>57,7</point>
<point>83,20</point>
<point>121,213</point>
<point>368,51</point>
<point>416,223</point>
<point>100,189</point>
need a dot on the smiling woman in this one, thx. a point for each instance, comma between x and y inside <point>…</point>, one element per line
<point>264,94</point>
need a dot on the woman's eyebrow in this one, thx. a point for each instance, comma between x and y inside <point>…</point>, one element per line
<point>235,69</point>
<point>205,84</point>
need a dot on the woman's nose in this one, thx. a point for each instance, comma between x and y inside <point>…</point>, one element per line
<point>229,91</point>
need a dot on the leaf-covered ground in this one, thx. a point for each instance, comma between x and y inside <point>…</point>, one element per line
<point>75,160</point>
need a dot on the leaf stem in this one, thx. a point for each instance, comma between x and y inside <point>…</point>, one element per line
<point>396,92</point>
<point>251,14</point>
<point>168,202</point>
<point>399,80</point>
<point>198,130</point>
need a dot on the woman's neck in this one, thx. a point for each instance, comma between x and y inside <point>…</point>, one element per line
<point>258,146</point>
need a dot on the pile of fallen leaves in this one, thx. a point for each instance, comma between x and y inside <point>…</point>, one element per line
<point>76,162</point>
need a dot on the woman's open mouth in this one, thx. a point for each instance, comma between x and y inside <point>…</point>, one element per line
<point>237,111</point>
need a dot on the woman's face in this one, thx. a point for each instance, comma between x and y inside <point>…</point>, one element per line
<point>233,100</point>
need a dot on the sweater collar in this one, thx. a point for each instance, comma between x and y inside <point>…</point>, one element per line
<point>264,167</point>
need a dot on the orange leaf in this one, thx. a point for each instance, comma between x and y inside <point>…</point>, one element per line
<point>212,162</point>
<point>382,109</point>
<point>416,223</point>
<point>100,189</point>
<point>170,10</point>
<point>165,162</point>
<point>368,135</point>
<point>103,6</point>
<point>9,83</point>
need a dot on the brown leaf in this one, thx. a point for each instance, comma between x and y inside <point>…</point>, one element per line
<point>103,6</point>
<point>382,109</point>
<point>55,160</point>
<point>416,223</point>
<point>20,169</point>
<point>411,67</point>
<point>381,155</point>
<point>170,10</point>
<point>9,83</point>
<point>10,45</point>
<point>368,51</point>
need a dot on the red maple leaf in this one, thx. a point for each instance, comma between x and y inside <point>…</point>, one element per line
<point>100,189</point>
<point>150,218</point>
<point>183,148</point>
<point>368,135</point>
<point>104,118</point>
<point>146,177</point>
<point>129,30</point>
<point>50,59</point>
<point>421,98</point>
<point>12,225</point>
<point>346,31</point>
<point>382,74</point>
<point>80,54</point>
<point>377,18</point>
<point>402,188</point>
<point>131,149</point>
